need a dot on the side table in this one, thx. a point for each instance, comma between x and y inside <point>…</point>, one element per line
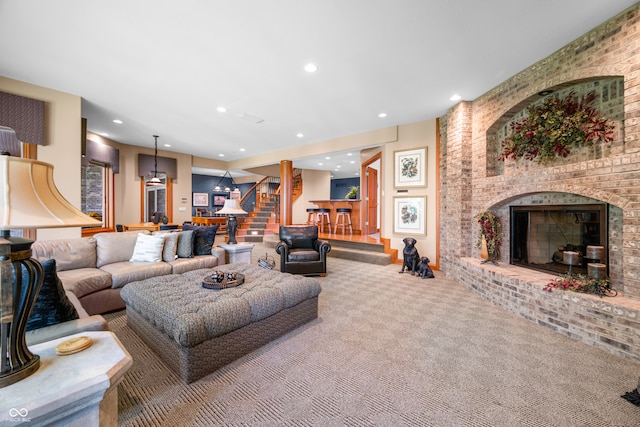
<point>79,389</point>
<point>238,253</point>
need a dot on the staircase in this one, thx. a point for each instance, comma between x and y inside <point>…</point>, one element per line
<point>260,222</point>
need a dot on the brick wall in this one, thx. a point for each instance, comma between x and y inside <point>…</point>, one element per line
<point>472,182</point>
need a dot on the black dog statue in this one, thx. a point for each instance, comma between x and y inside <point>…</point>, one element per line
<point>410,256</point>
<point>424,270</point>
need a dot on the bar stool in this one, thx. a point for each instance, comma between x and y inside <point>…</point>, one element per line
<point>322,219</point>
<point>343,220</point>
<point>311,216</point>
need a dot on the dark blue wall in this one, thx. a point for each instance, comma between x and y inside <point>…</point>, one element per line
<point>205,184</point>
<point>340,187</point>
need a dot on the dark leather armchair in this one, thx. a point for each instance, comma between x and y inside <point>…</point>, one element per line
<point>301,252</point>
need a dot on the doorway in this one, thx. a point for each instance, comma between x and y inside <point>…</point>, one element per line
<point>370,195</point>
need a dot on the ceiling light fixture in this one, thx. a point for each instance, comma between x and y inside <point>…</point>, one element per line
<point>455,97</point>
<point>382,115</point>
<point>299,135</point>
<point>311,68</point>
<point>226,188</point>
<point>221,110</point>
<point>118,121</point>
<point>155,180</point>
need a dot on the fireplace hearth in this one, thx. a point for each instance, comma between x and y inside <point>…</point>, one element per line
<point>558,238</point>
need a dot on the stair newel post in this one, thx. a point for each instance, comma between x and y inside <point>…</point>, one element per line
<point>286,192</point>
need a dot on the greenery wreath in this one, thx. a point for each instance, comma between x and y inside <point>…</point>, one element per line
<point>552,128</point>
<point>491,230</point>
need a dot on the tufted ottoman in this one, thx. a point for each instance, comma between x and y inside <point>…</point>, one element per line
<point>197,330</point>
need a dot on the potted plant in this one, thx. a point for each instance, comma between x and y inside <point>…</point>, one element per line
<point>353,192</point>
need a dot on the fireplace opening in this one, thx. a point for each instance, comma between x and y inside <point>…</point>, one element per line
<point>559,238</point>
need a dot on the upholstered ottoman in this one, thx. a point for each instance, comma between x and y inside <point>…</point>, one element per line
<point>197,330</point>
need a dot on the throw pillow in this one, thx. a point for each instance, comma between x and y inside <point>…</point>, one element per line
<point>148,248</point>
<point>204,238</point>
<point>185,244</point>
<point>52,305</point>
<point>170,247</point>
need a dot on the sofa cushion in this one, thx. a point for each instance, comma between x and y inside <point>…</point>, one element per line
<point>185,244</point>
<point>68,253</point>
<point>84,281</point>
<point>126,272</point>
<point>170,250</point>
<point>204,237</point>
<point>115,247</point>
<point>148,248</point>
<point>52,305</point>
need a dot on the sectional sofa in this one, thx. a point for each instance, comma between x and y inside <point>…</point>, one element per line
<point>95,269</point>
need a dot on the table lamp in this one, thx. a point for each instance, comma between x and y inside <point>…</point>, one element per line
<point>232,208</point>
<point>28,199</point>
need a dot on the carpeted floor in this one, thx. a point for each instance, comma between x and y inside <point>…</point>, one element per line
<point>390,350</point>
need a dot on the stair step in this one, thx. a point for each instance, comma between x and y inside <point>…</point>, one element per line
<point>363,246</point>
<point>367,252</point>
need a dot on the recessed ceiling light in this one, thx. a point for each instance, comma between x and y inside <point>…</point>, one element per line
<point>118,121</point>
<point>221,110</point>
<point>220,155</point>
<point>167,145</point>
<point>104,134</point>
<point>382,115</point>
<point>327,158</point>
<point>299,135</point>
<point>349,154</point>
<point>311,68</point>
<point>352,161</point>
<point>242,149</point>
<point>320,164</point>
<point>455,97</point>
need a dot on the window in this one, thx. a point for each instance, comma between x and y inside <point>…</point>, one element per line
<point>97,194</point>
<point>155,198</point>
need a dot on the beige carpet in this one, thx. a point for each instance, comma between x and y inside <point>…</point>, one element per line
<point>391,349</point>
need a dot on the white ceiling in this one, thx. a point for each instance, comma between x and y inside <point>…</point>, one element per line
<point>163,67</point>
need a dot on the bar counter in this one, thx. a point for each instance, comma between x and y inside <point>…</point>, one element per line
<point>333,204</point>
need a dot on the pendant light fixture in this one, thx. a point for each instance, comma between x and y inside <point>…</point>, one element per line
<point>155,180</point>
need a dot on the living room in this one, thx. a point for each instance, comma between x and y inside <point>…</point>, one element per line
<point>462,159</point>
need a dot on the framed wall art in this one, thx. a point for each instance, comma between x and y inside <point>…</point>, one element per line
<point>410,168</point>
<point>200,199</point>
<point>218,199</point>
<point>410,215</point>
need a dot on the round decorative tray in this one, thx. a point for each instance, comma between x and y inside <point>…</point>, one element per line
<point>221,280</point>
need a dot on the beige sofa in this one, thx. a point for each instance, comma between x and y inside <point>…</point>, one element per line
<point>95,269</point>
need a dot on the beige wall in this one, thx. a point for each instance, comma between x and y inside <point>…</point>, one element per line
<point>62,135</point>
<point>413,135</point>
<point>316,185</point>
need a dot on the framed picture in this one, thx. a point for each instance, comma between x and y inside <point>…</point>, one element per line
<point>200,199</point>
<point>410,168</point>
<point>409,215</point>
<point>218,200</point>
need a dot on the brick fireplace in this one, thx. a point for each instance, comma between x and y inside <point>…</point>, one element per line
<point>473,179</point>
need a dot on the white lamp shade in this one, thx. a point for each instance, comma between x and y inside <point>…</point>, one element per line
<point>29,197</point>
<point>231,207</point>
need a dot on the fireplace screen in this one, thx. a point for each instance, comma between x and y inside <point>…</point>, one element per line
<point>559,238</point>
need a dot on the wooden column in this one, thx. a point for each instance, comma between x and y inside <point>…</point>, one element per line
<point>286,192</point>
